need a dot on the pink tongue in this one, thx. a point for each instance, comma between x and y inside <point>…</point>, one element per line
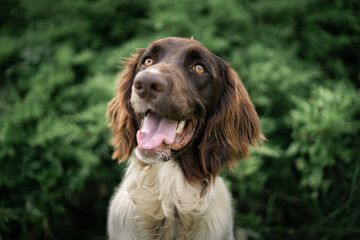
<point>155,131</point>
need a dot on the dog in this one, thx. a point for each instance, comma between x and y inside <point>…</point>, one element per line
<point>180,114</point>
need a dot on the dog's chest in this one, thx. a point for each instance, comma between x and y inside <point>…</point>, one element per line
<point>167,207</point>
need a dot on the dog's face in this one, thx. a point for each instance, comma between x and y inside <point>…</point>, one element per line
<point>178,100</point>
<point>176,83</point>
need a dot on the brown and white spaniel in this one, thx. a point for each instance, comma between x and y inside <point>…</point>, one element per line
<point>180,114</point>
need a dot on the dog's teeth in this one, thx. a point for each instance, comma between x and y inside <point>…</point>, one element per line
<point>180,126</point>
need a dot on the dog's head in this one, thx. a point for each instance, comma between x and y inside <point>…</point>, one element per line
<point>177,100</point>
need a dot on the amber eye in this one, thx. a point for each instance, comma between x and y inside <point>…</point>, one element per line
<point>148,62</point>
<point>199,69</point>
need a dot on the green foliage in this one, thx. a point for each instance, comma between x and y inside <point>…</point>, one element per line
<point>299,60</point>
<point>324,130</point>
<point>53,137</point>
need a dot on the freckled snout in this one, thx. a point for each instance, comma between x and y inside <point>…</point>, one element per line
<point>150,84</point>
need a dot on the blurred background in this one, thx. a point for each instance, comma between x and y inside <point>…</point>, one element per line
<point>299,60</point>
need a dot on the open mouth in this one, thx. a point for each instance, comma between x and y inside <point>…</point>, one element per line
<point>159,134</point>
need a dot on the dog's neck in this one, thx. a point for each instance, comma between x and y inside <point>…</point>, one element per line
<point>189,163</point>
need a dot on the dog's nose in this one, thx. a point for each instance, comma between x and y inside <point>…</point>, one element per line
<point>149,85</point>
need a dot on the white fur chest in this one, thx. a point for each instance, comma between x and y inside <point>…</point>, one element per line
<point>158,203</point>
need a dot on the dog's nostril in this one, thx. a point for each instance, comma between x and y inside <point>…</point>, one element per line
<point>157,87</point>
<point>138,86</point>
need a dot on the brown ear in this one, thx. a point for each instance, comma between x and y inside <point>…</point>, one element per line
<point>232,128</point>
<point>120,114</point>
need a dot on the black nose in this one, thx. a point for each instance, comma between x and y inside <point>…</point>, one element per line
<point>149,85</point>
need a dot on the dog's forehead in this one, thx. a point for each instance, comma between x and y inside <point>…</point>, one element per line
<point>173,45</point>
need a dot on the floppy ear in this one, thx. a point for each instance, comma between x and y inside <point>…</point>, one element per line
<point>233,126</point>
<point>120,114</point>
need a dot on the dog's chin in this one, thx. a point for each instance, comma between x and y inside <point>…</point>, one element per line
<point>152,157</point>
